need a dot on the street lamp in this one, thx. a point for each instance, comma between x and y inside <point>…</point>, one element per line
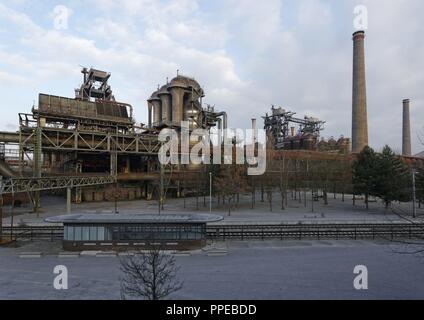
<point>210,192</point>
<point>414,195</point>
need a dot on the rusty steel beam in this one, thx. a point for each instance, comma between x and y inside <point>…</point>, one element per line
<point>20,185</point>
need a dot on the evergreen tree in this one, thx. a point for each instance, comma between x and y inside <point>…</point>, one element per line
<point>419,184</point>
<point>393,178</point>
<point>364,173</point>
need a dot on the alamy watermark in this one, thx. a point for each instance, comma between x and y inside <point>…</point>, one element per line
<point>60,282</point>
<point>61,16</point>
<point>361,280</point>
<point>360,20</point>
<point>195,147</point>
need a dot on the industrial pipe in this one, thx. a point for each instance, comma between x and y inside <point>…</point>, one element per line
<point>224,117</point>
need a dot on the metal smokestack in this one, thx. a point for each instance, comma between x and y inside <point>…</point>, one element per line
<point>359,95</point>
<point>254,132</point>
<point>406,130</point>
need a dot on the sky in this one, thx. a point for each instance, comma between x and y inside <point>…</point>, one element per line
<point>246,54</point>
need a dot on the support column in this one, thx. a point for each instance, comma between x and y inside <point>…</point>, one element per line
<point>37,165</point>
<point>1,211</point>
<point>78,190</point>
<point>68,200</point>
<point>149,106</point>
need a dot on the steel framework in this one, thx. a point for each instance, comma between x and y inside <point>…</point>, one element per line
<point>65,140</point>
<point>278,125</point>
<point>18,185</point>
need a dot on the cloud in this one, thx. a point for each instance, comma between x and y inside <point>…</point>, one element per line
<point>314,13</point>
<point>10,80</point>
<point>282,52</point>
<point>17,19</point>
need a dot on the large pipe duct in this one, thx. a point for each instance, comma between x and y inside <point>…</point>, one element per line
<point>178,100</point>
<point>224,118</point>
<point>359,95</point>
<point>149,115</point>
<point>177,105</point>
<point>157,109</point>
<point>224,123</point>
<point>165,98</point>
<point>406,130</point>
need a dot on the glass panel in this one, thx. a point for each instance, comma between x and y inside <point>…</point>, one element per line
<point>101,233</point>
<point>85,233</point>
<point>172,232</point>
<point>108,234</point>
<point>93,233</point>
<point>77,233</point>
<point>70,233</point>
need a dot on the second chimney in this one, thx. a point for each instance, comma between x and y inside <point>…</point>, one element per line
<point>406,130</point>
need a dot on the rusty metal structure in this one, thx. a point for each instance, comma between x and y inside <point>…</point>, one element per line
<point>94,135</point>
<point>331,145</point>
<point>181,100</point>
<point>281,126</point>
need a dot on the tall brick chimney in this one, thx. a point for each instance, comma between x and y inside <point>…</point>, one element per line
<point>406,130</point>
<point>359,95</point>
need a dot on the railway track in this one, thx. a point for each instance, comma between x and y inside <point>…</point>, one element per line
<point>263,232</point>
<point>35,233</point>
<point>317,232</point>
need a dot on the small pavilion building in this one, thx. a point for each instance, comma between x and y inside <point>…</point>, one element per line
<point>134,231</point>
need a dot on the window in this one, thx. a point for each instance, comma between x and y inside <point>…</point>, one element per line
<point>69,233</point>
<point>134,232</point>
<point>101,233</point>
<point>108,233</point>
<point>93,233</point>
<point>77,233</point>
<point>85,233</point>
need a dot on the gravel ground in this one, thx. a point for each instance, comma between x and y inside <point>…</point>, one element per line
<point>335,211</point>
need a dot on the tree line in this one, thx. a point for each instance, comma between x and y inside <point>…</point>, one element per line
<point>370,174</point>
<point>381,175</point>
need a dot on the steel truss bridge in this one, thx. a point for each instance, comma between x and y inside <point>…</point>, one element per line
<point>66,140</point>
<point>20,185</point>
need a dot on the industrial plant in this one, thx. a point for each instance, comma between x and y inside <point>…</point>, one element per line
<point>91,146</point>
<point>124,177</point>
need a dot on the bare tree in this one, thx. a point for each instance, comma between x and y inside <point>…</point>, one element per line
<point>231,181</point>
<point>149,275</point>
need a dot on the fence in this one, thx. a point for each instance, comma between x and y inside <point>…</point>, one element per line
<point>265,232</point>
